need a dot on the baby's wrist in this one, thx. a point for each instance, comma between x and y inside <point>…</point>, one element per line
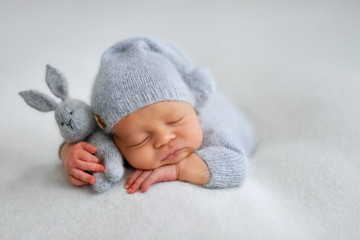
<point>179,169</point>
<point>193,169</point>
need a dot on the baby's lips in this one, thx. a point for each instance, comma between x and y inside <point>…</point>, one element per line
<point>173,154</point>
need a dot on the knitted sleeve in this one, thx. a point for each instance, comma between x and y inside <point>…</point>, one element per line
<point>227,162</point>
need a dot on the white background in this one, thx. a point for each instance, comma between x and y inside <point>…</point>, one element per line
<point>292,66</point>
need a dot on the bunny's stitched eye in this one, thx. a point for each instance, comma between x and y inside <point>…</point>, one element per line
<point>62,124</point>
<point>71,113</point>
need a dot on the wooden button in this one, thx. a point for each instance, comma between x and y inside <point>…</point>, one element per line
<point>99,122</point>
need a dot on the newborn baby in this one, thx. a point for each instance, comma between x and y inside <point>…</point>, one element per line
<point>166,119</point>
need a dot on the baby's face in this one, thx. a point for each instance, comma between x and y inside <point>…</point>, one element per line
<point>160,134</point>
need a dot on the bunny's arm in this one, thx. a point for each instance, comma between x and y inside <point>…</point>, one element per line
<point>110,154</point>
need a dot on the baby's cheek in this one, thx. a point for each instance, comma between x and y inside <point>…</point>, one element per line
<point>198,139</point>
<point>132,159</point>
<point>196,136</point>
<point>142,159</point>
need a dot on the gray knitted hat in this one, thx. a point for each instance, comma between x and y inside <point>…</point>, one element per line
<point>137,72</point>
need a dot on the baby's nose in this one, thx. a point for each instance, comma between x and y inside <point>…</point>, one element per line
<point>163,138</point>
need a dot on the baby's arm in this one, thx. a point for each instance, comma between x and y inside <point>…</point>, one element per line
<point>225,158</point>
<point>213,167</point>
<point>78,158</point>
<point>228,167</point>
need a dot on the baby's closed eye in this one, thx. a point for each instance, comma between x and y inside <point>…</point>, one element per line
<point>139,142</point>
<point>177,120</point>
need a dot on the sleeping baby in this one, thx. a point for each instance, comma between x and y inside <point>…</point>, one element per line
<point>165,118</point>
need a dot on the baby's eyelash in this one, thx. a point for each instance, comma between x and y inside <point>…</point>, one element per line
<point>177,121</point>
<point>138,144</point>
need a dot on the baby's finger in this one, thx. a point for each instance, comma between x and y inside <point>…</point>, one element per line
<point>163,174</point>
<point>91,167</point>
<point>75,181</point>
<point>150,180</point>
<point>132,178</point>
<point>89,147</point>
<point>135,187</point>
<point>87,157</point>
<point>83,176</point>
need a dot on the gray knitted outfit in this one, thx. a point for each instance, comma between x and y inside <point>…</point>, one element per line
<point>137,72</point>
<point>227,142</point>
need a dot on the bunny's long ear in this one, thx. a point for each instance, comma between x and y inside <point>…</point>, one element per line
<point>38,100</point>
<point>56,82</point>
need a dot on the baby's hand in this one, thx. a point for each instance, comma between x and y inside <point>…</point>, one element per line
<point>77,159</point>
<point>143,179</point>
<point>191,169</point>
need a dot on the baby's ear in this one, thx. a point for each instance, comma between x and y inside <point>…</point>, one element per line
<point>56,82</point>
<point>38,100</point>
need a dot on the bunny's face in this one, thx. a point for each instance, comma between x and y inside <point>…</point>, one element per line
<point>75,120</point>
<point>74,117</point>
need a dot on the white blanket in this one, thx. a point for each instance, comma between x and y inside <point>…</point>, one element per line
<point>293,68</point>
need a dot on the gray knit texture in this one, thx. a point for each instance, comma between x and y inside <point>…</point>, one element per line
<point>137,72</point>
<point>228,141</point>
<point>76,123</point>
<point>112,159</point>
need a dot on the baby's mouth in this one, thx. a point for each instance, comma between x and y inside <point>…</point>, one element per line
<point>173,154</point>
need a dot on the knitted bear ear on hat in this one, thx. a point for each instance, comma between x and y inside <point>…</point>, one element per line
<point>199,79</point>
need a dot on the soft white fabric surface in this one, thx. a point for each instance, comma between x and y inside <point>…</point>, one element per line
<point>293,67</point>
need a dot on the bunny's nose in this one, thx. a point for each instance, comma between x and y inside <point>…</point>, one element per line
<point>69,124</point>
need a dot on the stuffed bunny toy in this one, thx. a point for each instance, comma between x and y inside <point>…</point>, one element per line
<point>77,123</point>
